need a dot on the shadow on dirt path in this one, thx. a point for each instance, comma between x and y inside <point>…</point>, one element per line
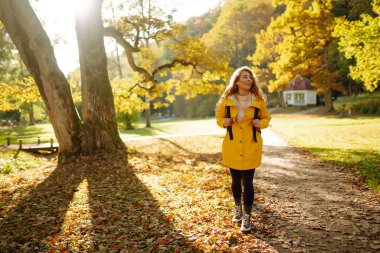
<point>313,206</point>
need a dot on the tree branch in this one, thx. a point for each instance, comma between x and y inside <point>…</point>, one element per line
<point>129,50</point>
<point>172,64</point>
<point>137,85</point>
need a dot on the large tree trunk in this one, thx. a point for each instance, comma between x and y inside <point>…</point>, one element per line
<point>328,101</point>
<point>37,53</point>
<point>99,118</point>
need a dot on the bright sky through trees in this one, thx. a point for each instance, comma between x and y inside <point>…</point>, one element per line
<point>58,20</point>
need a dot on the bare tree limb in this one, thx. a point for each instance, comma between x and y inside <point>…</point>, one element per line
<point>129,50</point>
<point>137,85</point>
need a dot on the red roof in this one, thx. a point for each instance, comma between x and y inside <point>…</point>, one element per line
<point>300,83</point>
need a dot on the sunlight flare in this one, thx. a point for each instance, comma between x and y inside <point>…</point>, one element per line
<point>81,7</point>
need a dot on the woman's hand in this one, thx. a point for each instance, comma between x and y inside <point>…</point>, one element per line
<point>227,122</point>
<point>256,123</point>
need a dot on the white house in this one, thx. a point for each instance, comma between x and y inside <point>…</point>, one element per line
<point>300,92</point>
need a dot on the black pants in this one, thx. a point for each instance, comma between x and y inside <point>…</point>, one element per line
<point>248,195</point>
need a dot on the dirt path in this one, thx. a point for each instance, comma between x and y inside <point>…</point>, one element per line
<point>312,206</point>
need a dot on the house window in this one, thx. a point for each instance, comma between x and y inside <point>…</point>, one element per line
<point>299,98</point>
<point>288,97</point>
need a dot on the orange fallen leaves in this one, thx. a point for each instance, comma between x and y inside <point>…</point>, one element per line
<point>177,200</point>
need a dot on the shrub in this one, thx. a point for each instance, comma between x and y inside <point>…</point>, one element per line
<point>274,102</point>
<point>364,104</point>
<point>8,166</point>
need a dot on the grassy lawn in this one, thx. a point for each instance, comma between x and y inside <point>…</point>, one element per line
<point>351,143</point>
<point>172,127</point>
<point>11,160</point>
<point>290,109</point>
<point>29,134</point>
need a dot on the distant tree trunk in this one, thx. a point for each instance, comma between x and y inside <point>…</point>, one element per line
<point>118,61</point>
<point>116,45</point>
<point>147,111</point>
<point>99,118</point>
<point>282,99</point>
<point>328,101</point>
<point>128,122</point>
<point>32,121</point>
<point>36,51</point>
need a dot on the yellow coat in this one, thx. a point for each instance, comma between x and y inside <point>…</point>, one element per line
<point>242,153</point>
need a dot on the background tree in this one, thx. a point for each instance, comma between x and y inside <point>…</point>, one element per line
<point>18,90</point>
<point>21,93</point>
<point>6,55</point>
<point>198,26</point>
<point>360,40</point>
<point>352,9</point>
<point>302,37</point>
<point>234,32</point>
<point>143,34</point>
<point>7,93</point>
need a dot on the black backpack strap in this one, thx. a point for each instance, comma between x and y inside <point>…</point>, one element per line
<point>228,115</point>
<point>255,116</point>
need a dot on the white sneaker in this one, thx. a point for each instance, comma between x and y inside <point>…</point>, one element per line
<point>246,224</point>
<point>238,214</point>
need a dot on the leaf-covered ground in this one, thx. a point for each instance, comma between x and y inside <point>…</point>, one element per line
<point>174,196</point>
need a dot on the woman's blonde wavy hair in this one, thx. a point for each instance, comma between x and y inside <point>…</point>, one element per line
<point>232,87</point>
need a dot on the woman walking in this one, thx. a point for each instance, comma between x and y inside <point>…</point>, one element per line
<point>242,110</point>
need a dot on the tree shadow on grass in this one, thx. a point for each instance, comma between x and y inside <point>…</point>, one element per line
<point>161,130</point>
<point>124,213</point>
<point>145,131</point>
<point>365,162</point>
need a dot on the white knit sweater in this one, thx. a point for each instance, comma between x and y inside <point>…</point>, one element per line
<point>242,103</point>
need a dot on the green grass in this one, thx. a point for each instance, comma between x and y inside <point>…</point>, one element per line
<point>351,143</point>
<point>173,127</point>
<point>290,109</point>
<point>15,160</point>
<point>29,134</point>
<point>11,160</point>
